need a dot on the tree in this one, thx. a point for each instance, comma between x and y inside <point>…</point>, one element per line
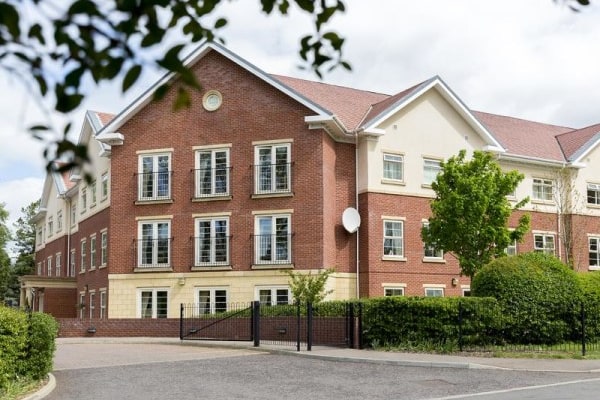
<point>567,199</point>
<point>309,288</point>
<point>4,258</point>
<point>471,210</point>
<point>24,247</point>
<point>58,47</point>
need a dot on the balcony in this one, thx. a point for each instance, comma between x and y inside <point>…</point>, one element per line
<point>152,253</point>
<point>273,249</point>
<point>210,252</point>
<point>154,186</point>
<point>273,179</point>
<point>211,183</point>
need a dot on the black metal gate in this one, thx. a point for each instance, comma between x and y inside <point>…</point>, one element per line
<point>196,323</point>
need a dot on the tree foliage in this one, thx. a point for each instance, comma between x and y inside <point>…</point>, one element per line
<point>56,48</point>
<point>5,236</point>
<point>309,288</point>
<point>471,210</point>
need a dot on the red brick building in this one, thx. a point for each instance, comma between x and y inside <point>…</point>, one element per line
<point>210,204</point>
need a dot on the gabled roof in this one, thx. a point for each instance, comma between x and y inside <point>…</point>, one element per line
<point>577,143</point>
<point>523,138</point>
<point>115,123</point>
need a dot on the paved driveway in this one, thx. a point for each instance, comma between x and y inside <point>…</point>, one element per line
<point>169,371</point>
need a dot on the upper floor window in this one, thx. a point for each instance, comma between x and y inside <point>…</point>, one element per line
<point>82,255</point>
<point>543,243</point>
<point>39,238</point>
<point>393,238</point>
<point>92,251</point>
<point>594,252</point>
<point>104,186</point>
<point>72,263</point>
<point>93,193</point>
<point>154,244</point>
<point>212,172</point>
<point>50,227</point>
<point>73,214</point>
<point>59,220</point>
<point>212,300</point>
<point>83,199</point>
<point>431,169</point>
<point>49,266</point>
<point>103,248</point>
<point>58,264</point>
<point>593,193</point>
<point>272,241</point>
<point>272,170</point>
<point>393,167</point>
<point>212,241</point>
<point>154,177</point>
<point>39,268</point>
<point>542,189</point>
<point>432,252</point>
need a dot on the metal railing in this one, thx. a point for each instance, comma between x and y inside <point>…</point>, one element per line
<point>152,253</point>
<point>211,251</point>
<point>273,178</point>
<point>273,249</point>
<point>154,185</point>
<point>211,182</point>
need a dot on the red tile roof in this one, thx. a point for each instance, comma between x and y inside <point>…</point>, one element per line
<point>572,141</point>
<point>104,118</point>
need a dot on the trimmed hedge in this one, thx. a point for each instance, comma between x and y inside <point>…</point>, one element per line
<point>539,296</point>
<point>590,286</point>
<point>430,322</point>
<point>27,345</point>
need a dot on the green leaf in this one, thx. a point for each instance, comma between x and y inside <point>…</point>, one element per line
<point>35,32</point>
<point>221,22</point>
<point>131,77</point>
<point>9,17</point>
<point>182,100</point>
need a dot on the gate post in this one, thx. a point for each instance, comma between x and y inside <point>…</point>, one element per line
<point>582,329</point>
<point>298,325</point>
<point>360,325</point>
<point>350,324</point>
<point>255,322</point>
<point>181,322</point>
<point>309,320</point>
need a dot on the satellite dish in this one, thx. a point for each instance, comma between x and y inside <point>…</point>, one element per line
<point>351,219</point>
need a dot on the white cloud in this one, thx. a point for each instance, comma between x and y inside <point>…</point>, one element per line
<point>16,194</point>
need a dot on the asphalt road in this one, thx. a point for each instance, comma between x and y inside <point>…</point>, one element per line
<point>155,371</point>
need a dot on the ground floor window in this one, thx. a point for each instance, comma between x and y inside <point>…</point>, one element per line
<point>594,251</point>
<point>272,296</point>
<point>212,300</point>
<point>393,291</point>
<point>153,303</point>
<point>434,292</point>
<point>543,243</point>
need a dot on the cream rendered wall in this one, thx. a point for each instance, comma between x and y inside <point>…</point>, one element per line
<point>241,287</point>
<point>427,128</point>
<point>589,174</point>
<point>98,166</point>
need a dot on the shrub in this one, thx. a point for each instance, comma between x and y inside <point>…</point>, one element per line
<point>27,344</point>
<point>538,294</point>
<point>590,286</point>
<point>429,322</point>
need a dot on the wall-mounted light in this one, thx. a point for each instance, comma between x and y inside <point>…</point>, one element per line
<point>454,281</point>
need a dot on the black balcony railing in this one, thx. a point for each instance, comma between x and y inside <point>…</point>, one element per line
<point>211,251</point>
<point>153,253</point>
<point>273,178</point>
<point>211,182</point>
<point>273,249</point>
<point>154,185</point>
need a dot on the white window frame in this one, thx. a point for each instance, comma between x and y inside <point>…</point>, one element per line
<point>386,248</point>
<point>431,168</point>
<point>94,195</point>
<point>155,243</point>
<point>542,190</point>
<point>153,306</point>
<point>213,240</point>
<point>512,249</point>
<point>72,263</point>
<point>430,290</point>
<point>93,251</point>
<point>50,227</point>
<point>434,255</point>
<point>49,266</point>
<point>73,214</point>
<point>103,248</point>
<point>82,255</point>
<point>210,306</point>
<point>58,264</point>
<point>39,268</point>
<point>545,241</point>
<point>594,189</point>
<point>214,173</point>
<point>157,187</point>
<point>59,221</point>
<point>273,239</point>
<point>273,295</point>
<point>81,304</point>
<point>266,173</point>
<point>102,303</point>
<point>392,163</point>
<point>104,186</point>
<point>83,199</point>
<point>596,241</point>
<point>388,291</point>
<point>91,305</point>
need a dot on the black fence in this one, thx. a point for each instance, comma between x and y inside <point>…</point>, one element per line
<point>301,326</point>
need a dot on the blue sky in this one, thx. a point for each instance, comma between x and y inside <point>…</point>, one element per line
<point>532,59</point>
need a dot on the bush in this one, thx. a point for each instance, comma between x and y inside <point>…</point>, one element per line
<point>27,344</point>
<point>429,322</point>
<point>538,294</point>
<point>590,286</point>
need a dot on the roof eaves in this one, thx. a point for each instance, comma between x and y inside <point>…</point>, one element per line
<point>585,149</point>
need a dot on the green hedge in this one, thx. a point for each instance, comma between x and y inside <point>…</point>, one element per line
<point>590,287</point>
<point>539,296</point>
<point>430,322</point>
<point>27,345</point>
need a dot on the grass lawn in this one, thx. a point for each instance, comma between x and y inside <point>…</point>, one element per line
<point>21,388</point>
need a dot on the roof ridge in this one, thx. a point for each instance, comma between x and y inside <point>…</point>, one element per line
<point>528,120</point>
<point>277,76</point>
